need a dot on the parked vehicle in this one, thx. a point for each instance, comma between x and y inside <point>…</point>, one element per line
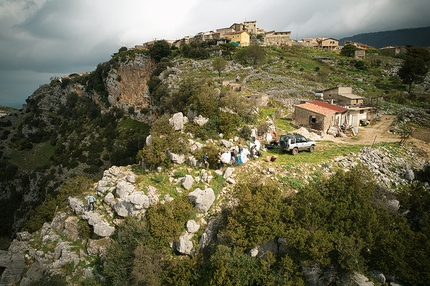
<point>295,142</point>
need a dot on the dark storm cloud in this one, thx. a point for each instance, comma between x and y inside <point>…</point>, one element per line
<point>44,38</point>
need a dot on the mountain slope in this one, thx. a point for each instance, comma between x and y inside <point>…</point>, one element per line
<point>71,129</point>
<point>401,37</point>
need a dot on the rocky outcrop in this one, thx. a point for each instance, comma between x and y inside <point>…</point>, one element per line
<point>127,86</point>
<point>389,170</point>
<point>202,199</point>
<point>178,120</point>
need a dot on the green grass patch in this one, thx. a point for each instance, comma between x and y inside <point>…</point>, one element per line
<point>325,150</point>
<point>292,182</point>
<point>35,158</point>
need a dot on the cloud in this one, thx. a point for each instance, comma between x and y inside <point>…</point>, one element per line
<point>52,37</point>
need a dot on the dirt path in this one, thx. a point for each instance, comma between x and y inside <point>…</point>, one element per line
<point>375,133</point>
<point>379,132</point>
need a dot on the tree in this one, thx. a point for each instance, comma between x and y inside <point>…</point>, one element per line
<point>159,50</point>
<point>228,50</point>
<point>219,65</point>
<point>415,66</point>
<point>348,50</point>
<point>252,54</point>
<point>255,54</point>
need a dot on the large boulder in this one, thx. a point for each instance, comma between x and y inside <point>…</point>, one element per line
<point>123,208</point>
<point>178,120</point>
<point>13,262</point>
<point>139,200</point>
<point>187,182</point>
<point>228,172</point>
<point>76,205</point>
<point>193,162</point>
<point>194,146</point>
<point>200,120</point>
<point>98,246</point>
<point>124,189</point>
<point>176,158</point>
<point>227,144</point>
<point>202,199</point>
<point>103,229</point>
<point>100,226</point>
<point>71,228</point>
<point>192,226</point>
<point>185,244</point>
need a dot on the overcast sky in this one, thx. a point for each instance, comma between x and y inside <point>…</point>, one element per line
<point>40,39</point>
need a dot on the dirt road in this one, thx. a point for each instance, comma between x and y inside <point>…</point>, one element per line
<point>374,133</point>
<point>379,132</point>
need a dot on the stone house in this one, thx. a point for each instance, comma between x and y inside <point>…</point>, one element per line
<point>319,115</point>
<point>342,95</point>
<point>328,43</point>
<point>310,42</point>
<point>250,27</point>
<point>358,45</point>
<point>258,100</point>
<point>280,39</point>
<point>232,84</point>
<point>237,27</point>
<point>392,51</point>
<point>223,31</point>
<point>241,37</point>
<point>360,54</point>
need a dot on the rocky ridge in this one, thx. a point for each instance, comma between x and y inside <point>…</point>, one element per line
<point>120,195</point>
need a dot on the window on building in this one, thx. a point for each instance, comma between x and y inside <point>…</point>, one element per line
<point>312,119</point>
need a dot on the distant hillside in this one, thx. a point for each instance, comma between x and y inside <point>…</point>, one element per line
<point>402,37</point>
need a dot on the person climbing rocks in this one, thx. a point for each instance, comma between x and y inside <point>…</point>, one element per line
<point>206,160</point>
<point>220,163</point>
<point>91,201</point>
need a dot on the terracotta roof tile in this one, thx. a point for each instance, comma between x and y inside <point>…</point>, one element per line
<point>322,107</point>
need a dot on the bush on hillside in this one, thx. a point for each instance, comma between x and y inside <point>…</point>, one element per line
<point>160,50</point>
<point>164,138</point>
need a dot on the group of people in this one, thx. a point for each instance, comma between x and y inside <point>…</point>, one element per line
<point>235,156</point>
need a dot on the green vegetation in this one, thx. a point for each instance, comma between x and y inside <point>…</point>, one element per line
<point>348,50</point>
<point>160,49</point>
<point>58,202</point>
<point>339,223</point>
<point>415,66</point>
<point>219,65</point>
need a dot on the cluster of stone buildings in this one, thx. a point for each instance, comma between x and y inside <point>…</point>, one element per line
<point>247,33</point>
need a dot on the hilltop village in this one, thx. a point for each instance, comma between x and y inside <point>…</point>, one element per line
<point>247,33</point>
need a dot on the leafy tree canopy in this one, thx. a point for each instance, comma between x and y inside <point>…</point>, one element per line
<point>348,50</point>
<point>219,65</point>
<point>415,66</point>
<point>159,50</point>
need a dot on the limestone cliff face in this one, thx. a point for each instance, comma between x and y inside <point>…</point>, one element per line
<point>127,86</point>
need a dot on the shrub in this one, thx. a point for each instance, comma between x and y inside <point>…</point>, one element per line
<point>165,221</point>
<point>159,50</point>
